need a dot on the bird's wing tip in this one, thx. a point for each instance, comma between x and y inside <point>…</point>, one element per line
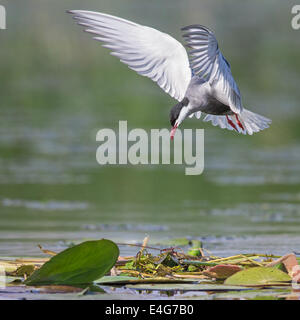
<point>197,26</point>
<point>77,12</point>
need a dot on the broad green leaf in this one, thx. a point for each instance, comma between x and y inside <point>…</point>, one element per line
<point>258,276</point>
<point>80,264</point>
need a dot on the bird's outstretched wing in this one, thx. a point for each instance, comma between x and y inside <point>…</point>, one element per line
<point>149,52</point>
<point>207,61</point>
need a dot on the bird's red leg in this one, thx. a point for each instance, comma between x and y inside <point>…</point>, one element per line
<point>231,123</point>
<point>239,122</point>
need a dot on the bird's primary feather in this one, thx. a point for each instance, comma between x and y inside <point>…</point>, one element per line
<point>149,52</point>
<point>207,62</point>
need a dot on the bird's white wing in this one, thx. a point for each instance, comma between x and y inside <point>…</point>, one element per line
<point>149,52</point>
<point>207,62</point>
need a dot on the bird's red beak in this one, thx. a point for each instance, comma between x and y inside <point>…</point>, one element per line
<point>173,131</point>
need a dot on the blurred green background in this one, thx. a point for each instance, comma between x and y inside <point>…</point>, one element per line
<point>59,88</point>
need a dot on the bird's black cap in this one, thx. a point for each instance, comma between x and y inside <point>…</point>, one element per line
<point>175,111</point>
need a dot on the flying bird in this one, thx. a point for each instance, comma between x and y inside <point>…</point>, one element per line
<point>200,79</point>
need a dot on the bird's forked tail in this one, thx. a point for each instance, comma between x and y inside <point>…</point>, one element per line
<point>246,122</point>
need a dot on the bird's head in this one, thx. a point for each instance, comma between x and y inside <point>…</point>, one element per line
<point>177,114</point>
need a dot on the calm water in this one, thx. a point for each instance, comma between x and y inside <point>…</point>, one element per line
<point>61,87</point>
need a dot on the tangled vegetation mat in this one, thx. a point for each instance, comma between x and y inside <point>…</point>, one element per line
<point>94,270</point>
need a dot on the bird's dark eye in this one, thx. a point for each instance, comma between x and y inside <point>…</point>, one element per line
<point>175,111</point>
<point>172,121</point>
<point>174,114</point>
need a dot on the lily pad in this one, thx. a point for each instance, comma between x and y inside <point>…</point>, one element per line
<point>259,276</point>
<point>253,294</point>
<point>80,264</point>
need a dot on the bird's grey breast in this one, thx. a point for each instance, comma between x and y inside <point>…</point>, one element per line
<point>197,92</point>
<point>201,98</point>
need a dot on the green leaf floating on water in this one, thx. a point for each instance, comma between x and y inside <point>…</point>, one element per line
<point>80,264</point>
<point>259,276</point>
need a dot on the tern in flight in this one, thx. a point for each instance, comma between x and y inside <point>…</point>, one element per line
<point>200,79</point>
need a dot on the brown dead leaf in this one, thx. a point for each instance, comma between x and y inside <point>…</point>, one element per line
<point>289,261</point>
<point>222,271</point>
